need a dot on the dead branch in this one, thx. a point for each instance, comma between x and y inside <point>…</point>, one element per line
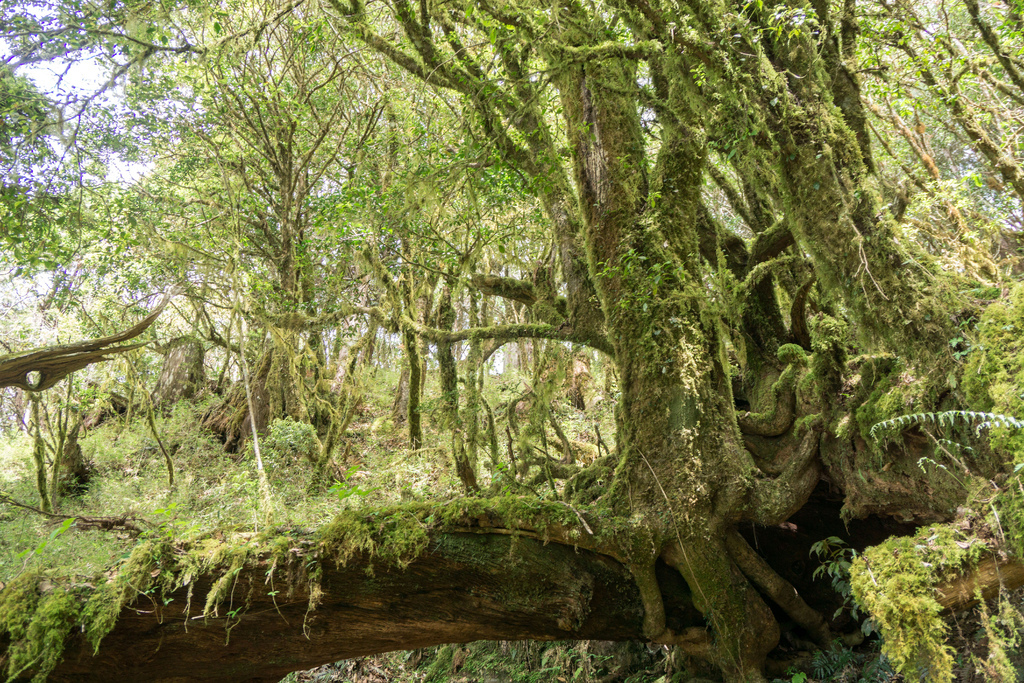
<point>125,522</point>
<point>54,363</point>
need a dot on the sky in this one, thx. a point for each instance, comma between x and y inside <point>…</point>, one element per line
<point>71,81</point>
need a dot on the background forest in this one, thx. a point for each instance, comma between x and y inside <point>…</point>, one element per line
<point>726,297</point>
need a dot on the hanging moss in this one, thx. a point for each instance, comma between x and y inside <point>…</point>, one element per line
<point>18,603</point>
<point>896,582</point>
<point>43,642</point>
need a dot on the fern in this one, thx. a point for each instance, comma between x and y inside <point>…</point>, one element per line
<point>948,418</point>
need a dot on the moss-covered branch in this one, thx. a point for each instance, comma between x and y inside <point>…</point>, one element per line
<point>506,287</point>
<point>512,332</point>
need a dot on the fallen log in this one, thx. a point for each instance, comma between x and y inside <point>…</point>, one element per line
<point>463,587</point>
<point>986,580</point>
<point>53,363</point>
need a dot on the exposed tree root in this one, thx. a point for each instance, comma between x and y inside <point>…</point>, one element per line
<point>778,589</point>
<point>774,500</point>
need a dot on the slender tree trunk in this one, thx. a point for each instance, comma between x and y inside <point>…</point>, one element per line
<point>39,454</point>
<point>473,370</point>
<point>400,406</point>
<point>449,378</point>
<point>415,387</point>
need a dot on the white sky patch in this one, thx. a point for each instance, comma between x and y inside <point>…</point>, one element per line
<point>69,84</point>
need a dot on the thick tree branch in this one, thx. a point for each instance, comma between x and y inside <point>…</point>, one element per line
<point>510,332</point>
<point>506,287</point>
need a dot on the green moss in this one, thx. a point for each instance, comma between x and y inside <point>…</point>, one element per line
<point>828,341</point>
<point>885,390</point>
<point>589,484</point>
<point>1010,504</point>
<point>398,534</point>
<point>101,611</point>
<point>1003,631</point>
<point>394,535</point>
<point>37,613</point>
<point>38,616</point>
<point>792,354</point>
<point>442,667</point>
<point>18,603</point>
<point>895,582</point>
<point>994,377</point>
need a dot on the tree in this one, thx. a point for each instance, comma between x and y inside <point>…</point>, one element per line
<point>634,204</point>
<point>757,356</point>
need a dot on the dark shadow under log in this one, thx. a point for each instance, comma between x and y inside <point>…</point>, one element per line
<point>463,587</point>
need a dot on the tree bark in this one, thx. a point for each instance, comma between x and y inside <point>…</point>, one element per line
<point>54,363</point>
<point>183,373</point>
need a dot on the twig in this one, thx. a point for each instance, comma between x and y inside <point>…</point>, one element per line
<point>578,515</point>
<point>125,522</point>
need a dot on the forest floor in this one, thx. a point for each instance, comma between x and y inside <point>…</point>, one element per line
<point>218,492</point>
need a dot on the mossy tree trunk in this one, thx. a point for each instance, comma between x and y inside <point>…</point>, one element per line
<point>448,375</point>
<point>414,386</point>
<point>650,248</point>
<point>682,464</point>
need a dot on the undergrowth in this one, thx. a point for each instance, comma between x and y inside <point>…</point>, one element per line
<point>385,500</point>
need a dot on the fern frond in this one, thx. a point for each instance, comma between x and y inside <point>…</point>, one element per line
<point>948,418</point>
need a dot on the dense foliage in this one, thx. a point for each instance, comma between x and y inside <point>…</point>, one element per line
<point>652,277</point>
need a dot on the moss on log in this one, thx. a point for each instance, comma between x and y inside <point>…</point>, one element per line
<point>281,612</point>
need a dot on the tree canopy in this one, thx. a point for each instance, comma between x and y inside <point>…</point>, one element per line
<point>788,236</point>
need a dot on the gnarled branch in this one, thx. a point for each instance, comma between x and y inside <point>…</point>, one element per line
<point>54,363</point>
